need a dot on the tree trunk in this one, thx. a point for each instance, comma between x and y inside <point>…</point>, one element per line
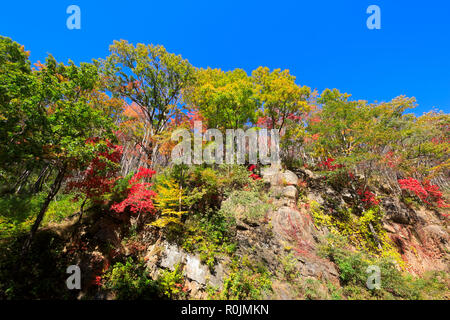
<point>22,181</point>
<point>38,184</point>
<point>53,191</point>
<point>82,209</point>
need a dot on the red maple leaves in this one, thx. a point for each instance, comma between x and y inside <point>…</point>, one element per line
<point>100,174</point>
<point>368,198</point>
<point>253,175</point>
<point>140,196</point>
<point>425,191</point>
<point>328,164</point>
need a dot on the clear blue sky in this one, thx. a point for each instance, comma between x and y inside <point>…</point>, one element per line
<point>326,44</point>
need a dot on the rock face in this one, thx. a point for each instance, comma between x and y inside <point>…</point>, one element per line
<point>419,236</point>
<point>293,229</point>
<point>290,192</point>
<point>398,212</point>
<point>287,230</point>
<point>168,256</point>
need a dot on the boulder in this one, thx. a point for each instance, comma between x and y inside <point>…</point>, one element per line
<point>172,256</point>
<point>290,192</point>
<point>195,270</point>
<point>289,178</point>
<point>316,197</point>
<point>398,212</point>
<point>268,172</point>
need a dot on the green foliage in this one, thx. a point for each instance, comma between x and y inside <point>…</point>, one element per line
<point>226,99</point>
<point>149,76</point>
<point>280,96</point>
<point>130,281</point>
<point>17,213</point>
<point>395,284</point>
<point>22,119</point>
<point>208,187</point>
<point>248,206</point>
<point>62,207</point>
<point>73,116</point>
<point>210,236</point>
<point>289,263</point>
<point>172,283</point>
<point>246,281</point>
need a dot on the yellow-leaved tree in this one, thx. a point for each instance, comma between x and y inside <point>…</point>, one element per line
<point>169,203</point>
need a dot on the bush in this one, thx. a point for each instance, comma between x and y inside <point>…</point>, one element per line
<point>395,284</point>
<point>248,206</point>
<point>17,213</point>
<point>172,283</point>
<point>130,281</point>
<point>210,236</point>
<point>246,281</point>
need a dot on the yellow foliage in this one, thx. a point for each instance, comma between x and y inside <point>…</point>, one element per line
<point>169,202</point>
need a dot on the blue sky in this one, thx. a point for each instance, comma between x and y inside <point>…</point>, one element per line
<point>325,44</point>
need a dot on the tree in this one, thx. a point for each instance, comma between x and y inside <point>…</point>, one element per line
<point>169,202</point>
<point>280,96</point>
<point>140,196</point>
<point>22,117</point>
<point>372,138</point>
<point>226,99</point>
<point>100,175</point>
<point>72,117</point>
<point>150,79</point>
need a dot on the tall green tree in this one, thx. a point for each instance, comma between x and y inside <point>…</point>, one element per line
<point>152,80</point>
<point>280,97</point>
<point>227,99</point>
<point>22,117</point>
<point>73,117</point>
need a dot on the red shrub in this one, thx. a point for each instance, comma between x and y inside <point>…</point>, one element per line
<point>253,175</point>
<point>101,173</point>
<point>328,164</point>
<point>140,196</point>
<point>368,198</point>
<point>425,191</point>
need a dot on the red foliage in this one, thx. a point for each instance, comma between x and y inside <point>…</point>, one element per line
<point>99,177</point>
<point>253,175</point>
<point>328,164</point>
<point>368,198</point>
<point>98,281</point>
<point>194,116</point>
<point>140,196</point>
<point>264,122</point>
<point>392,160</point>
<point>425,191</point>
<point>267,123</point>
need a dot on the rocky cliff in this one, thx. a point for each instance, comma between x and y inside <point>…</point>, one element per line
<point>289,247</point>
